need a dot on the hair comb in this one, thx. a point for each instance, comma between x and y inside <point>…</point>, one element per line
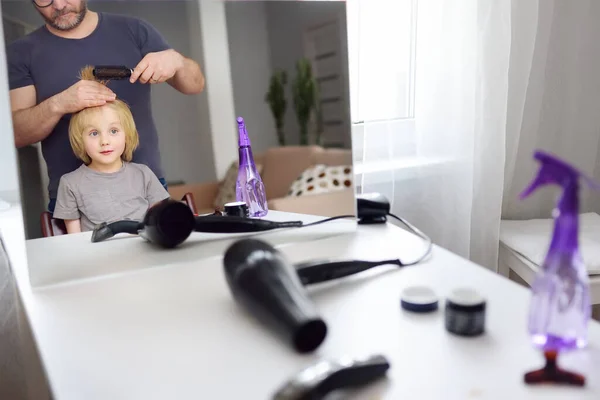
<point>112,72</point>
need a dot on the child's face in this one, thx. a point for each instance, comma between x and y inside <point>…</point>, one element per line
<point>104,138</point>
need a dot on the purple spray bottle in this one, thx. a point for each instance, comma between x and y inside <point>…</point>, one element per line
<point>249,186</point>
<point>560,307</point>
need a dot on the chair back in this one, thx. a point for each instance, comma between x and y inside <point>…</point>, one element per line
<point>52,226</point>
<point>188,199</point>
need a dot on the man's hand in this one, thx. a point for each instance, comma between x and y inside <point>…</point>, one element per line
<point>158,67</point>
<point>81,95</point>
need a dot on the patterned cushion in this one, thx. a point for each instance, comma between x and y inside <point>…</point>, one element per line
<point>226,192</point>
<point>322,179</point>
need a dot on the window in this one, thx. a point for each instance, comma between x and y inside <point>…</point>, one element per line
<point>381,56</point>
<point>381,42</point>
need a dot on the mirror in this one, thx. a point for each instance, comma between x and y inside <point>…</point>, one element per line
<point>257,58</point>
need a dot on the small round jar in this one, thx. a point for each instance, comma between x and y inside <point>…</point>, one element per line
<point>419,299</point>
<point>465,312</point>
<point>237,209</point>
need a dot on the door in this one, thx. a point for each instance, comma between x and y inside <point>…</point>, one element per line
<point>323,47</point>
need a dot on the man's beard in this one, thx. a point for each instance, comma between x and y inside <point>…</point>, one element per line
<point>67,25</point>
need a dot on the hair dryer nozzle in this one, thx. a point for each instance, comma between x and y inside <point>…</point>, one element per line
<point>102,232</point>
<point>266,285</point>
<point>168,223</point>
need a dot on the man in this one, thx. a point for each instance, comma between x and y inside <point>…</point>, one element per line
<point>45,88</point>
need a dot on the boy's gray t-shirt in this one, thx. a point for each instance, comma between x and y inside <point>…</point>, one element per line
<point>95,197</point>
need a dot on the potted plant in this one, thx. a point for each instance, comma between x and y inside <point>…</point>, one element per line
<point>276,99</point>
<point>304,90</point>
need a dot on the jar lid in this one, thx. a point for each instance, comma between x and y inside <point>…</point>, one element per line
<point>466,299</point>
<point>419,299</point>
<point>237,209</point>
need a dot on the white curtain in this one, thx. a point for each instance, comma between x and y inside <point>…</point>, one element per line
<point>559,75</point>
<point>446,149</point>
<point>447,128</point>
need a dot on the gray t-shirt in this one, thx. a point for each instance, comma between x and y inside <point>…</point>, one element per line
<point>95,197</point>
<point>53,63</point>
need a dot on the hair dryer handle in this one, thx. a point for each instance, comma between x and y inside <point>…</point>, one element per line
<point>106,231</point>
<point>323,270</point>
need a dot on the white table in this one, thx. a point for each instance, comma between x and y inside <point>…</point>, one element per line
<point>76,258</point>
<point>173,331</point>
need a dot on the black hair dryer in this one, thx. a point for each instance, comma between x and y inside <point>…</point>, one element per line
<point>170,222</point>
<point>166,224</point>
<point>267,285</point>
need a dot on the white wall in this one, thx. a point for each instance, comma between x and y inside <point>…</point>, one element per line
<point>250,56</point>
<point>219,92</point>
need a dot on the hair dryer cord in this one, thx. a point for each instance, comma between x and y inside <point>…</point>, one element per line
<point>417,232</point>
<point>410,226</point>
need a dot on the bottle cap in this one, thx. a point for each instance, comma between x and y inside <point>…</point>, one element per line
<point>237,209</point>
<point>243,139</point>
<point>419,299</point>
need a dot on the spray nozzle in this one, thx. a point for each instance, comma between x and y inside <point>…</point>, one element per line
<point>555,171</point>
<point>243,139</point>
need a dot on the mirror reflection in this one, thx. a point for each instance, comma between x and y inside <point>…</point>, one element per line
<point>184,101</point>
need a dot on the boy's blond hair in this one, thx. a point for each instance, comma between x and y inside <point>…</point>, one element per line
<point>79,121</point>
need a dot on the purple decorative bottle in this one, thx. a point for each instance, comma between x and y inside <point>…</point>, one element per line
<point>560,308</point>
<point>249,186</point>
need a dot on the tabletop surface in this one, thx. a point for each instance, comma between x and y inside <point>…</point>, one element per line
<point>173,330</point>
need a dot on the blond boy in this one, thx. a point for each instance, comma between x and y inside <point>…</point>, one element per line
<point>107,187</point>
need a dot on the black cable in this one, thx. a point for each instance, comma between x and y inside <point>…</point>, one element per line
<point>417,232</point>
<point>329,219</point>
<point>410,226</point>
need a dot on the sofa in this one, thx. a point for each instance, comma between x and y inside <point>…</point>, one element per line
<point>279,168</point>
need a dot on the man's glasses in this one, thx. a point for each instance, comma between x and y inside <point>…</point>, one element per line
<point>43,3</point>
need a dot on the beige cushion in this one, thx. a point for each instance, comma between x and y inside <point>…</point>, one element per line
<point>226,191</point>
<point>282,165</point>
<point>323,204</point>
<point>322,179</point>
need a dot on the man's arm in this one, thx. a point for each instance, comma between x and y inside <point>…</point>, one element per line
<point>161,63</point>
<point>189,78</point>
<point>32,123</point>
